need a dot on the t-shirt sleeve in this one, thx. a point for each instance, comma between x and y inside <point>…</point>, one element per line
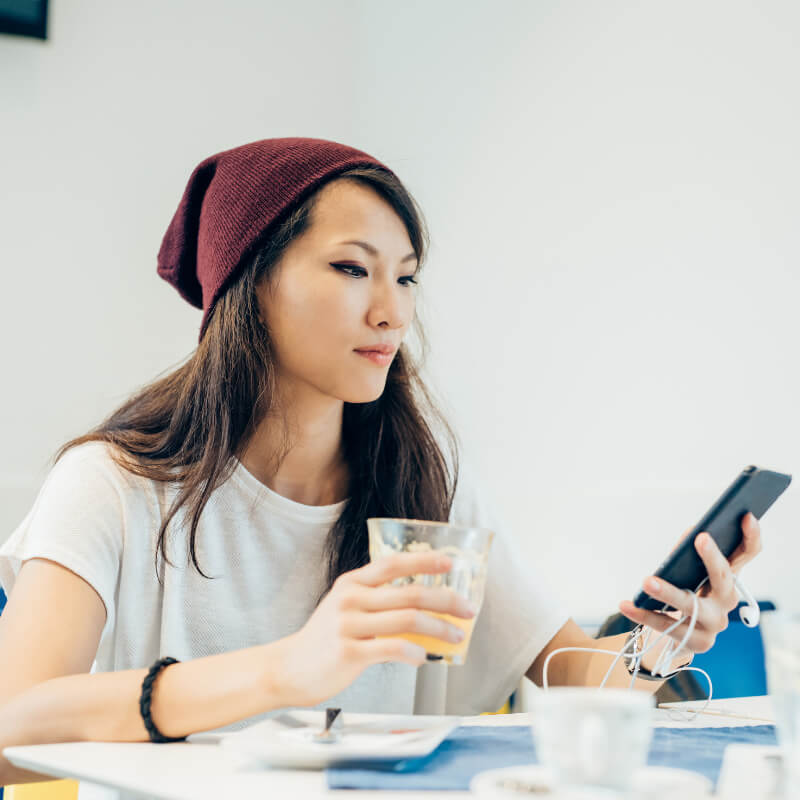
<point>76,521</point>
<point>519,616</point>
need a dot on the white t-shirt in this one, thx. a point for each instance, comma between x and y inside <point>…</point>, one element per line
<point>265,553</point>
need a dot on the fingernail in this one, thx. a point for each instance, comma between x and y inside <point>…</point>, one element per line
<point>652,585</point>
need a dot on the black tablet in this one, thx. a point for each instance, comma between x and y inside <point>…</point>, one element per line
<point>754,490</point>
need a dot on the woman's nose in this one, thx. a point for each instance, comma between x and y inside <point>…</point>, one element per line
<point>390,306</point>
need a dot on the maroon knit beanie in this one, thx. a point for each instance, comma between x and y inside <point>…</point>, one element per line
<point>231,203</point>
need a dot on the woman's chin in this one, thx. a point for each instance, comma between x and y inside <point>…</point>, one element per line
<point>363,394</point>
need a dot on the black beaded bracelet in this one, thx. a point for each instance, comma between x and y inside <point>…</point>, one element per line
<point>144,702</point>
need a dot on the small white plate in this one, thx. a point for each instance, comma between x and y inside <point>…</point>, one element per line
<point>287,740</point>
<point>537,781</point>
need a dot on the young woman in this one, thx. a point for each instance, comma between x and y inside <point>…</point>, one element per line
<point>218,516</point>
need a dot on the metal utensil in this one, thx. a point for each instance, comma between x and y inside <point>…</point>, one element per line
<point>328,734</point>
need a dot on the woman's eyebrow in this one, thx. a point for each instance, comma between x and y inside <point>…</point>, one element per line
<point>373,251</point>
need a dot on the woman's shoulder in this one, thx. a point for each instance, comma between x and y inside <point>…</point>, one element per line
<point>92,455</point>
<point>97,465</point>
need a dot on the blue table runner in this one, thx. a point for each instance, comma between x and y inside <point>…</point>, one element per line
<point>469,750</point>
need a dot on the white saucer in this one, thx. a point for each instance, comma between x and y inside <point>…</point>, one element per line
<point>287,740</point>
<point>649,783</point>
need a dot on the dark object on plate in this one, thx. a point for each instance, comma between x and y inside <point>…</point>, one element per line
<point>328,734</point>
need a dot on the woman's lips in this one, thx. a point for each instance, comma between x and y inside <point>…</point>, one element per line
<point>376,357</point>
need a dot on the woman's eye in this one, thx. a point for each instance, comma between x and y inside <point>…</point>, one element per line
<point>350,269</point>
<point>360,272</point>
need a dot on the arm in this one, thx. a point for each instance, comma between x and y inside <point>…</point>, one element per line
<point>586,669</point>
<point>719,597</point>
<point>46,697</point>
<point>192,696</point>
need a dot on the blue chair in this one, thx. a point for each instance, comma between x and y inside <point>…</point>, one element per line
<point>736,661</point>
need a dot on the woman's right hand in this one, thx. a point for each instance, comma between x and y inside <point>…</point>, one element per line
<point>339,641</point>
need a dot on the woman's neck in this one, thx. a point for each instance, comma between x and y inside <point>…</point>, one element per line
<point>299,455</point>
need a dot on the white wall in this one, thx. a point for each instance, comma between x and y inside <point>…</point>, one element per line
<point>612,193</point>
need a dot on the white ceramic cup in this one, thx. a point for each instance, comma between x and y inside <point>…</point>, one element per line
<point>592,737</point>
<point>781,631</point>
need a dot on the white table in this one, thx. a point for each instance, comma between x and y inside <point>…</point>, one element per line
<point>188,771</point>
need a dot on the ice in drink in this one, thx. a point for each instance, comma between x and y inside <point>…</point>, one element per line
<point>468,549</point>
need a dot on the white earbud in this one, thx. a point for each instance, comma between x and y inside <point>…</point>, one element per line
<point>749,613</point>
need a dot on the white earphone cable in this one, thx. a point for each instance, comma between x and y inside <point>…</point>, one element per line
<point>640,644</point>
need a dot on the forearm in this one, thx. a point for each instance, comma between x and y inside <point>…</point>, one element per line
<point>598,664</point>
<point>188,697</point>
<point>592,668</point>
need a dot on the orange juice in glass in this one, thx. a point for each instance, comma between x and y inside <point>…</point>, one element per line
<point>468,548</point>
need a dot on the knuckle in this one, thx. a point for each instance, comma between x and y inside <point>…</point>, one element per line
<point>715,620</point>
<point>698,646</point>
<point>438,627</point>
<point>416,594</point>
<point>455,602</point>
<point>398,561</point>
<point>449,632</point>
<point>341,582</point>
<point>348,597</point>
<point>391,647</point>
<point>409,652</point>
<point>403,648</point>
<point>383,569</point>
<point>342,626</point>
<point>446,598</point>
<point>384,566</point>
<point>685,603</point>
<point>665,622</point>
<point>410,619</point>
<point>349,650</point>
<point>705,643</point>
<point>421,621</point>
<point>391,650</point>
<point>720,574</point>
<point>657,622</point>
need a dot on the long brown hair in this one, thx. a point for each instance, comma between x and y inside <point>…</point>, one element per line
<point>188,427</point>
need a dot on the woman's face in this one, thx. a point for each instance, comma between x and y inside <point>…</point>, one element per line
<point>329,301</point>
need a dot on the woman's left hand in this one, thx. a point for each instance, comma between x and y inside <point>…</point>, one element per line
<point>715,600</point>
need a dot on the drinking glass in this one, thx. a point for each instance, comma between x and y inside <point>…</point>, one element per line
<point>468,548</point>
